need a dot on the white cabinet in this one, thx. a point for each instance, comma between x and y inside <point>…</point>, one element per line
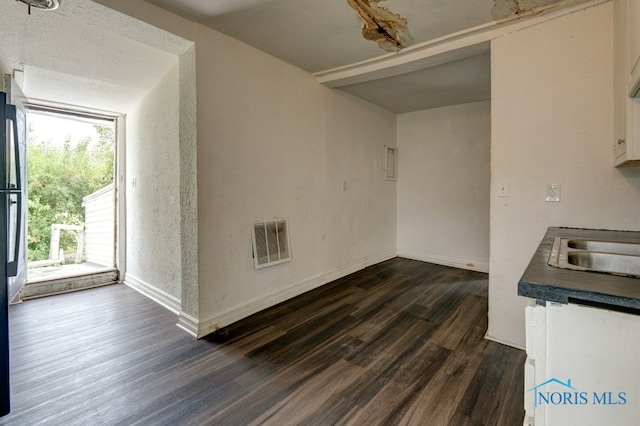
<point>633,35</point>
<point>582,366</point>
<point>626,140</point>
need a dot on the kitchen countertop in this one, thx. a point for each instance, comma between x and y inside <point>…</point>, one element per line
<point>547,283</point>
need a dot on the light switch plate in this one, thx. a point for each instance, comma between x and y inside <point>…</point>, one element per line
<point>552,192</point>
<point>502,189</point>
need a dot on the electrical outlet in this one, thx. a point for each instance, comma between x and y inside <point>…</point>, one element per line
<point>552,192</point>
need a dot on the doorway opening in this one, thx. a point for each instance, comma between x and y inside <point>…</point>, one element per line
<point>71,192</point>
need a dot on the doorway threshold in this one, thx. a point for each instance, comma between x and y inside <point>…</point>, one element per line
<point>67,279</point>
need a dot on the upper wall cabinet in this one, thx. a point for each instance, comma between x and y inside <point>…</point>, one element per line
<point>626,140</point>
<point>633,35</point>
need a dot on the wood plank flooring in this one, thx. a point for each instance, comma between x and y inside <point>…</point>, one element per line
<point>397,343</point>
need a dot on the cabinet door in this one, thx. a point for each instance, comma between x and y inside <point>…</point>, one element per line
<point>633,35</point>
<point>626,137</point>
<point>621,73</point>
<point>592,368</point>
<point>535,369</point>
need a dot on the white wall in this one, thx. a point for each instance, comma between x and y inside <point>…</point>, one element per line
<point>551,122</point>
<point>552,106</point>
<point>443,185</point>
<point>272,142</point>
<point>153,193</point>
<point>189,303</point>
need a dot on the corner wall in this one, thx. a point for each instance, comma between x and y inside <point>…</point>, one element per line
<point>272,143</point>
<point>443,185</point>
<point>552,115</point>
<point>188,192</point>
<point>153,243</point>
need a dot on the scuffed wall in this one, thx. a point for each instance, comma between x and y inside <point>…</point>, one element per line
<point>273,143</point>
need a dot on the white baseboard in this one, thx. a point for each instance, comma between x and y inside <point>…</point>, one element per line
<point>472,265</point>
<point>163,298</point>
<point>202,328</point>
<point>189,324</point>
<point>505,342</point>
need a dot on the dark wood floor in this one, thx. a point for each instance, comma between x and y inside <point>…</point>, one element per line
<point>397,343</point>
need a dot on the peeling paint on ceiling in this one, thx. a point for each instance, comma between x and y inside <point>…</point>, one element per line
<point>510,9</point>
<point>386,28</point>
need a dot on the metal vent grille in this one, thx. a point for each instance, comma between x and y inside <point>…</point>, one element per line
<point>42,4</point>
<point>270,243</point>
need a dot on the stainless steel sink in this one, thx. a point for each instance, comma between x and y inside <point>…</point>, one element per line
<point>605,246</point>
<point>611,257</point>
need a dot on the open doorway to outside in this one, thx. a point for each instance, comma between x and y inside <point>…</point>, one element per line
<point>71,191</point>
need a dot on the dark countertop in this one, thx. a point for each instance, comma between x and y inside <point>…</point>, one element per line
<point>547,283</point>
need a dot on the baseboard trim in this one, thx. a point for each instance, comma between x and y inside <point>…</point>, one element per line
<point>159,296</point>
<point>189,324</point>
<point>246,309</point>
<point>504,342</point>
<point>456,262</point>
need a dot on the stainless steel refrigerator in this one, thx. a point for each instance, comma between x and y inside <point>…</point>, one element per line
<point>13,262</point>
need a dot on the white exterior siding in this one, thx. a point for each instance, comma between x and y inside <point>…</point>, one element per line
<point>99,226</point>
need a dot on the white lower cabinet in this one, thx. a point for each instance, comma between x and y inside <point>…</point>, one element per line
<point>583,366</point>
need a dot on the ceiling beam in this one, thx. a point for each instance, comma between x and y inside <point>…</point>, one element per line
<point>442,50</point>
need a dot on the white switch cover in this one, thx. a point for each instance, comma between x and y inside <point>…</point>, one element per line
<point>502,189</point>
<point>552,192</point>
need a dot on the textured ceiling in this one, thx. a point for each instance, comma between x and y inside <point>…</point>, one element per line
<point>84,54</point>
<point>321,35</point>
<point>88,55</point>
<point>318,35</point>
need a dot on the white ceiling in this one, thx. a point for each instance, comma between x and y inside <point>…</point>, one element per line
<point>318,35</point>
<point>84,54</point>
<point>88,55</point>
<point>462,81</point>
<point>323,35</point>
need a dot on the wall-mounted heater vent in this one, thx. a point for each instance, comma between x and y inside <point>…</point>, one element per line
<point>270,243</point>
